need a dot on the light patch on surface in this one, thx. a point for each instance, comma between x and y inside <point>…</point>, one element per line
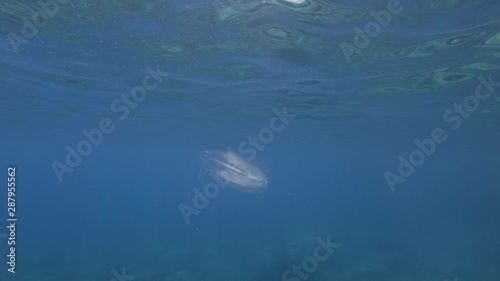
<point>297,2</point>
<point>494,40</point>
<point>481,66</point>
<point>447,77</point>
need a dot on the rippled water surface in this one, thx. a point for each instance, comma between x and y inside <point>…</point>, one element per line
<point>374,123</point>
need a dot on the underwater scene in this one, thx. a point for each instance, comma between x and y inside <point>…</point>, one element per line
<point>250,140</point>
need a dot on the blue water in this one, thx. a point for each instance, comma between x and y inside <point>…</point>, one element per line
<point>382,158</point>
